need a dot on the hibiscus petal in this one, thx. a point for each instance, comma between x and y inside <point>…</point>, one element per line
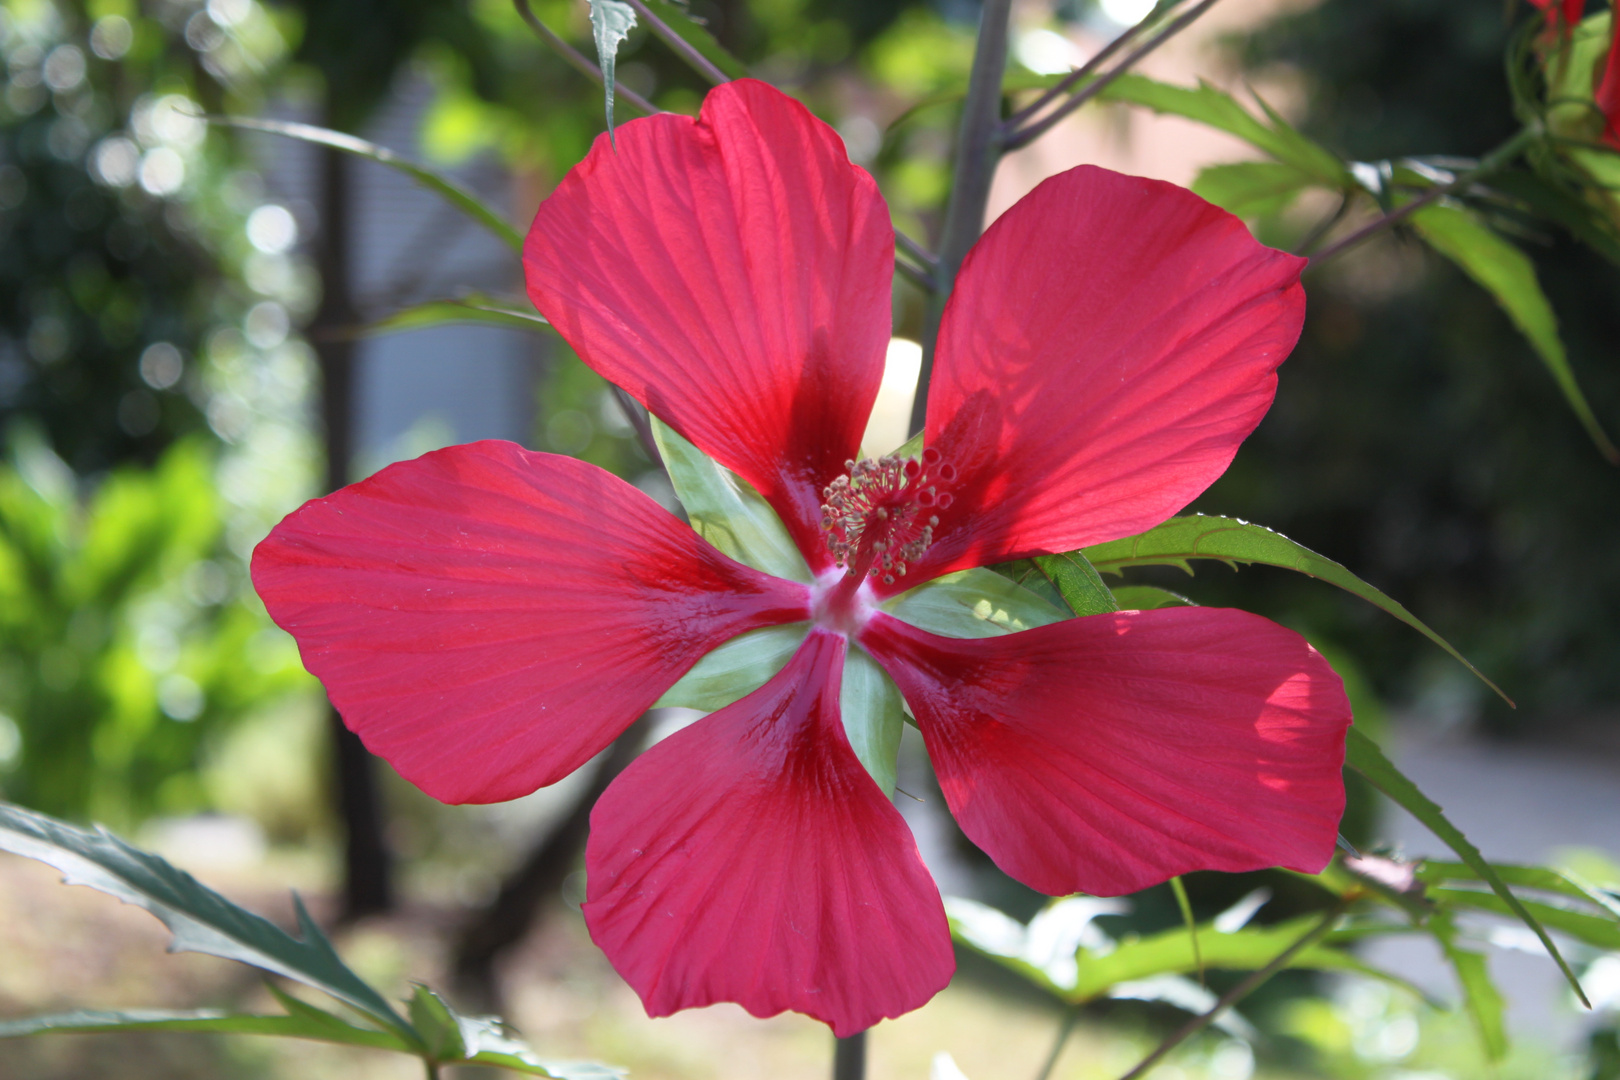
<point>487,619</point>
<point>733,273</point>
<point>1110,342</point>
<point>750,858</point>
<point>1109,753</point>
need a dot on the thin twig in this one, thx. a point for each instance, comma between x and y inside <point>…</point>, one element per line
<point>1029,133</point>
<point>923,279</point>
<point>1064,1032</point>
<point>1073,78</point>
<point>977,153</point>
<point>1237,993</point>
<point>689,52</point>
<point>580,62</point>
<point>905,243</point>
<point>1488,164</point>
<point>1322,227</point>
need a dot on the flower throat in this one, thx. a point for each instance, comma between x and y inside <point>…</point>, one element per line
<point>880,517</point>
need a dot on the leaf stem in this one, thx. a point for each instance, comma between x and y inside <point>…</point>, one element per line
<point>688,52</point>
<point>1023,136</point>
<point>1238,992</point>
<point>1489,164</point>
<point>1067,1029</point>
<point>977,152</point>
<point>1177,887</point>
<point>579,61</point>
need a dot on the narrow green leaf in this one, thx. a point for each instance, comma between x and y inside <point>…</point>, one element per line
<point>972,604</point>
<point>737,667</point>
<point>1480,996</point>
<point>200,919</point>
<point>436,1023</point>
<point>697,35</point>
<point>92,1021</point>
<point>472,308</point>
<point>1364,755</point>
<point>1252,189</point>
<point>1566,882</point>
<point>611,21</point>
<point>1554,202</point>
<point>873,717</point>
<point>1233,541</point>
<point>1185,905</point>
<point>1592,929</point>
<point>1210,105</point>
<point>726,510</point>
<point>1077,580</point>
<point>453,192</point>
<point>1147,598</point>
<point>1505,272</point>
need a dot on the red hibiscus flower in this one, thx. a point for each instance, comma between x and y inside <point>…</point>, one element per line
<point>487,618</point>
<point>1561,15</point>
<point>1607,94</point>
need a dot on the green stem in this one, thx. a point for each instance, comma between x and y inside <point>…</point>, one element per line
<point>977,153</point>
<point>432,1068</point>
<point>849,1057</point>
<point>1064,1032</point>
<point>1185,905</point>
<point>1237,993</point>
<point>1489,164</point>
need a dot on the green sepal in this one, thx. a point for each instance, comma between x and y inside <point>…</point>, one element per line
<point>972,604</point>
<point>611,22</point>
<point>873,716</point>
<point>726,510</point>
<point>735,669</point>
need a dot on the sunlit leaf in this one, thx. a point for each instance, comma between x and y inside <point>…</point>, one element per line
<point>472,308</point>
<point>1147,598</point>
<point>1604,933</point>
<point>453,192</point>
<point>1233,541</point>
<point>1546,879</point>
<point>973,604</point>
<point>200,919</point>
<point>1079,583</point>
<point>1505,272</point>
<point>91,1021</point>
<point>611,21</point>
<point>1252,189</point>
<point>1480,996</point>
<point>1364,755</point>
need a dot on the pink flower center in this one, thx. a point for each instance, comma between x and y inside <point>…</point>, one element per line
<point>880,517</point>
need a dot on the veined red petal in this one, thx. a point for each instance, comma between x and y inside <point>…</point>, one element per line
<point>1110,342</point>
<point>1109,753</point>
<point>733,273</point>
<point>487,619</point>
<point>750,858</point>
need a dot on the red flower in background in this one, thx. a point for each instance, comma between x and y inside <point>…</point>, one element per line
<point>487,618</point>
<point>1607,94</point>
<point>1561,15</point>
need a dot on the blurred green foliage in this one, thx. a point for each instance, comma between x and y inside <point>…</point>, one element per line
<point>126,636</point>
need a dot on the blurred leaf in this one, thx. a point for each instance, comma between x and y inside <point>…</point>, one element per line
<point>1218,109</point>
<point>1592,929</point>
<point>1480,996</point>
<point>200,919</point>
<point>1364,755</point>
<point>1553,202</point>
<point>458,196</point>
<point>1233,541</point>
<point>436,1024</point>
<point>697,35</point>
<point>90,1021</point>
<point>611,21</point>
<point>472,308</point>
<point>1079,583</point>
<point>1147,598</point>
<point>1505,272</point>
<point>1188,996</point>
<point>1252,189</point>
<point>726,510</point>
<point>1566,882</point>
<point>974,603</point>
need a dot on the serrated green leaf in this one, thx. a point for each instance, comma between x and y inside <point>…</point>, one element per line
<point>1505,272</point>
<point>92,1021</point>
<point>1233,541</point>
<point>1546,879</point>
<point>869,703</point>
<point>438,183</point>
<point>1147,598</point>
<point>1252,189</point>
<point>200,919</point>
<point>611,21</point>
<point>1079,583</point>
<point>1210,105</point>
<point>974,603</point>
<point>1365,756</point>
<point>726,510</point>
<point>1480,996</point>
<point>738,667</point>
<point>1592,929</point>
<point>1552,201</point>
<point>696,35</point>
<point>472,308</point>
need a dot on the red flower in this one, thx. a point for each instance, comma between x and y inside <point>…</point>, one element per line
<point>488,618</point>
<point>1607,94</point>
<point>1561,15</point>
